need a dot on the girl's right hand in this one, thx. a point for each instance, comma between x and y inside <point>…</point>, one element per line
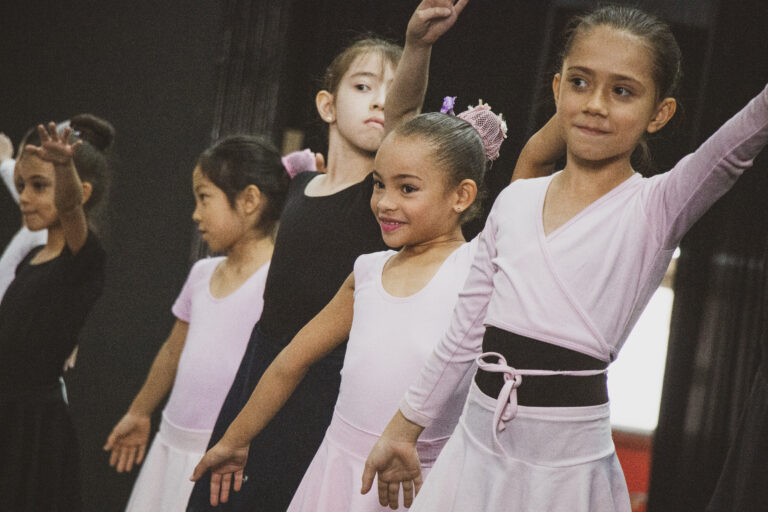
<point>395,462</point>
<point>224,460</point>
<point>432,19</point>
<point>128,441</point>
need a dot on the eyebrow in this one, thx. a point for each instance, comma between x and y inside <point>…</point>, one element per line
<point>366,74</point>
<point>613,75</point>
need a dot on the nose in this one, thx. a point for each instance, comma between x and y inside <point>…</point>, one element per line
<point>196,215</point>
<point>377,102</point>
<point>595,103</point>
<point>384,202</point>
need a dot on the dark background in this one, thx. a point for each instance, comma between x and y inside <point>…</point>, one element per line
<point>170,75</point>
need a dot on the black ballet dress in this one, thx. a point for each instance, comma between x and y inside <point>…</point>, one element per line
<point>41,315</point>
<point>315,250</point>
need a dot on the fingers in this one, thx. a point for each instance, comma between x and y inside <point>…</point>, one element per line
<point>215,487</point>
<point>383,492</point>
<point>417,482</point>
<point>368,474</point>
<point>199,471</point>
<point>238,480</point>
<point>459,6</point>
<point>226,482</point>
<point>393,492</point>
<point>127,457</point>
<point>142,451</point>
<point>432,13</point>
<point>407,493</point>
<point>113,457</point>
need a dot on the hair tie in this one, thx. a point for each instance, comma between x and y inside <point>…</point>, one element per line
<point>491,127</point>
<point>299,161</point>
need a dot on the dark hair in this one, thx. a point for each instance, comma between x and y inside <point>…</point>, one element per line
<point>237,161</point>
<point>456,146</point>
<point>657,37</point>
<point>91,158</point>
<point>388,51</point>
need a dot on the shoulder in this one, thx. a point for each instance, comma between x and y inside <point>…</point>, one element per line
<point>205,267</point>
<point>367,264</point>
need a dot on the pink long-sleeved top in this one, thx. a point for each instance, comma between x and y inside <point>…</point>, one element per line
<point>584,285</point>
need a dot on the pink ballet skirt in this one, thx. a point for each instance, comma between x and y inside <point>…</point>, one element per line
<point>554,459</point>
<point>333,480</point>
<point>163,484</point>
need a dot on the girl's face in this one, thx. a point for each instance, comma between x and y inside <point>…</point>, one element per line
<point>357,111</point>
<point>411,199</point>
<point>606,96</point>
<point>35,180</point>
<point>219,224</point>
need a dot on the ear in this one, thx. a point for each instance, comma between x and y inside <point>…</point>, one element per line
<point>324,101</point>
<point>556,87</point>
<point>466,193</point>
<point>250,200</point>
<point>87,191</point>
<point>664,113</point>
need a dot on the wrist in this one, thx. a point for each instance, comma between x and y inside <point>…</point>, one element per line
<point>402,429</point>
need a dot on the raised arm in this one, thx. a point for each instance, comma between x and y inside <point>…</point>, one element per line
<point>540,154</point>
<point>68,190</point>
<point>429,22</point>
<point>327,330</point>
<point>7,164</point>
<point>675,200</point>
<point>128,439</point>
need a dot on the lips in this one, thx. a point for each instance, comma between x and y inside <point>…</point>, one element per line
<point>375,120</point>
<point>591,130</point>
<point>389,225</point>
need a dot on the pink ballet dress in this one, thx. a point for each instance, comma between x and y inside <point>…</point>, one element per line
<point>219,329</point>
<point>391,337</point>
<point>581,287</point>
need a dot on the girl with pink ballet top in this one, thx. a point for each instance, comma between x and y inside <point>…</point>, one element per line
<point>393,308</point>
<point>564,267</point>
<point>240,185</point>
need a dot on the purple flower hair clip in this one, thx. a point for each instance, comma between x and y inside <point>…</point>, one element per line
<point>448,103</point>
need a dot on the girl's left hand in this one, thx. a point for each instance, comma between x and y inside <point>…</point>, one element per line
<point>54,147</point>
<point>432,19</point>
<point>224,461</point>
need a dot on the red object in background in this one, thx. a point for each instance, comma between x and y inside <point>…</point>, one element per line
<point>634,452</point>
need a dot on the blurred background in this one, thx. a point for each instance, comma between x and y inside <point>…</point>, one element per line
<point>173,76</point>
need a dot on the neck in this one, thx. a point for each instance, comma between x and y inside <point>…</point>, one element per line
<point>346,163</point>
<point>595,178</point>
<point>253,250</point>
<point>56,240</point>
<point>449,241</point>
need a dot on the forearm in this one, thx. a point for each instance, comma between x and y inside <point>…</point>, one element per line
<point>409,86</point>
<point>158,383</point>
<point>540,154</point>
<point>272,392</point>
<point>402,429</point>
<point>68,188</point>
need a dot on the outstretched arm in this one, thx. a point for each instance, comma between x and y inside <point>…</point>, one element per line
<point>540,154</point>
<point>128,439</point>
<point>429,22</point>
<point>68,189</point>
<point>327,330</point>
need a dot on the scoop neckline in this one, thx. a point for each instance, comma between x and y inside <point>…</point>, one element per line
<point>422,290</point>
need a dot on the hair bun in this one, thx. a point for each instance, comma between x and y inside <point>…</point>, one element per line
<point>299,161</point>
<point>491,127</point>
<point>95,130</point>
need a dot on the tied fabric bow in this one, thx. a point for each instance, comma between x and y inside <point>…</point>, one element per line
<point>506,402</point>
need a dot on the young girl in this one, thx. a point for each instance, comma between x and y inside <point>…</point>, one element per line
<point>240,187</point>
<point>393,308</point>
<point>565,266</point>
<point>59,183</point>
<point>325,226</point>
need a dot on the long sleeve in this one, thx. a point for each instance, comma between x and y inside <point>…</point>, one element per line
<point>454,356</point>
<point>677,199</point>
<point>6,173</point>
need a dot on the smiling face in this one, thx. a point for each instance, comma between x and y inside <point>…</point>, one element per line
<point>357,111</point>
<point>606,96</point>
<point>220,224</point>
<point>35,180</point>
<point>412,199</point>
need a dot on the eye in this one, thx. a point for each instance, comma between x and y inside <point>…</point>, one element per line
<point>362,87</point>
<point>407,189</point>
<point>578,83</point>
<point>377,184</point>
<point>622,91</point>
<point>39,186</point>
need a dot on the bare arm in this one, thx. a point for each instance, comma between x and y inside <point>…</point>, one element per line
<point>327,330</point>
<point>128,439</point>
<point>540,154</point>
<point>429,22</point>
<point>68,189</point>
